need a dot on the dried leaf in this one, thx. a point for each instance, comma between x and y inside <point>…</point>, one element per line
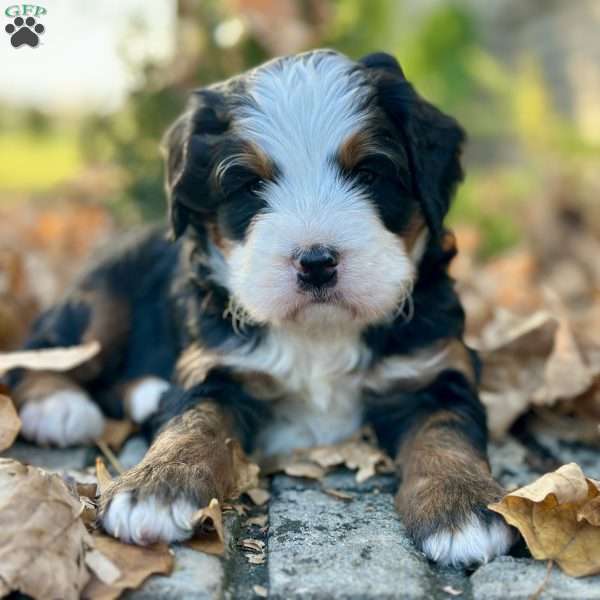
<point>255,559</point>
<point>209,533</point>
<point>251,544</point>
<point>246,472</point>
<point>304,469</point>
<point>89,513</point>
<point>339,494</point>
<point>51,359</point>
<point>260,591</point>
<point>135,564</point>
<point>514,355</point>
<point>356,454</point>
<point>10,424</point>
<point>102,475</point>
<point>116,432</point>
<point>258,521</point>
<point>87,490</point>
<point>102,567</point>
<point>42,538</point>
<point>258,496</point>
<point>565,375</point>
<point>558,516</point>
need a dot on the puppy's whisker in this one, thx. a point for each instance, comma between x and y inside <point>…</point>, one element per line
<point>240,318</point>
<point>406,306</point>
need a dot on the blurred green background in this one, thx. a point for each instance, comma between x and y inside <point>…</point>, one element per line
<point>521,77</point>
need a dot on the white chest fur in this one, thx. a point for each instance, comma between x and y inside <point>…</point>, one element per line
<point>316,396</point>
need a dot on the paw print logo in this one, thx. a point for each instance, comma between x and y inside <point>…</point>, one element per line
<point>24,31</point>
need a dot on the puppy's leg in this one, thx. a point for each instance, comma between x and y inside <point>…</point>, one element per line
<point>55,410</point>
<point>141,397</point>
<point>446,482</point>
<point>188,464</point>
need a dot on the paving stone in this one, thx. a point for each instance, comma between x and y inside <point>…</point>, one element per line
<point>54,459</point>
<point>508,578</point>
<point>196,576</point>
<point>321,547</point>
<point>341,479</point>
<point>508,461</point>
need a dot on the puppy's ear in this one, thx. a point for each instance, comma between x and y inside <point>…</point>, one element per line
<point>188,147</point>
<point>433,139</point>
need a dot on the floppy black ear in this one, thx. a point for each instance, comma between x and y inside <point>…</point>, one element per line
<point>189,147</point>
<point>433,139</point>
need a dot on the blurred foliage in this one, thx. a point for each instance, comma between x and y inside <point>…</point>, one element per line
<point>441,51</point>
<point>36,160</point>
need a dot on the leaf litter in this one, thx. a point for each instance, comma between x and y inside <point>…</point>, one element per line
<point>558,515</point>
<point>533,315</point>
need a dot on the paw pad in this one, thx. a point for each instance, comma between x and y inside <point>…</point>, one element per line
<point>24,32</point>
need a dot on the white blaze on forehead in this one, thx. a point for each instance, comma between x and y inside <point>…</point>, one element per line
<point>302,108</point>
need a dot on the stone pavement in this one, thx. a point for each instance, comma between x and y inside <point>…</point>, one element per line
<point>322,547</point>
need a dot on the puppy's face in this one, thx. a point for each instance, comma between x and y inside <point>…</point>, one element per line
<point>307,181</point>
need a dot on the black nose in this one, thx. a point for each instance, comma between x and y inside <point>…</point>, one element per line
<point>317,267</point>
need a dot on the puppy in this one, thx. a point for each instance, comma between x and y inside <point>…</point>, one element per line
<point>303,294</point>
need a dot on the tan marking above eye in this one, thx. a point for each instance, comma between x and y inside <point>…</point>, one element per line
<point>354,149</point>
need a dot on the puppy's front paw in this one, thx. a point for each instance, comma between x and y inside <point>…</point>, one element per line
<point>153,503</point>
<point>64,418</point>
<point>477,541</point>
<point>148,520</point>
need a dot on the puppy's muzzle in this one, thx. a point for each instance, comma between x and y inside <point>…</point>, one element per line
<point>317,268</point>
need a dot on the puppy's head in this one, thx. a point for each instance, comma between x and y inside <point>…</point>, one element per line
<point>315,183</point>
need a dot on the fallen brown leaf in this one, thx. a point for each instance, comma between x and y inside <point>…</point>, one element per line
<point>299,468</point>
<point>566,375</point>
<point>106,571</point>
<point>52,359</point>
<point>10,424</point>
<point>452,591</point>
<point>134,563</point>
<point>359,454</point>
<point>258,496</point>
<point>102,475</point>
<point>209,533</point>
<point>87,490</point>
<point>42,537</point>
<point>246,472</point>
<point>255,559</point>
<point>339,494</point>
<point>258,521</point>
<point>260,591</point>
<point>89,513</point>
<point>116,432</point>
<point>252,544</point>
<point>558,517</point>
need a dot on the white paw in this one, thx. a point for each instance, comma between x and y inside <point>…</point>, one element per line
<point>144,397</point>
<point>147,521</point>
<point>475,543</point>
<point>64,418</point>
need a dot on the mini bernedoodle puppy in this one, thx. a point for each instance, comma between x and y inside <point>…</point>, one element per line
<point>302,293</point>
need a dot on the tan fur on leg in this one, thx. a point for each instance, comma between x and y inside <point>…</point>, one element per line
<point>446,487</point>
<point>188,464</point>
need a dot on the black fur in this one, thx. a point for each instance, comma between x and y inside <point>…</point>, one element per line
<point>173,302</point>
<point>432,139</point>
<point>394,415</point>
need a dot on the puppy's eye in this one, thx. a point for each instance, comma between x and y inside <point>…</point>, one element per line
<point>254,186</point>
<point>366,177</point>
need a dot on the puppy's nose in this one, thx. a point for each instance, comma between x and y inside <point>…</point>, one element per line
<point>316,266</point>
